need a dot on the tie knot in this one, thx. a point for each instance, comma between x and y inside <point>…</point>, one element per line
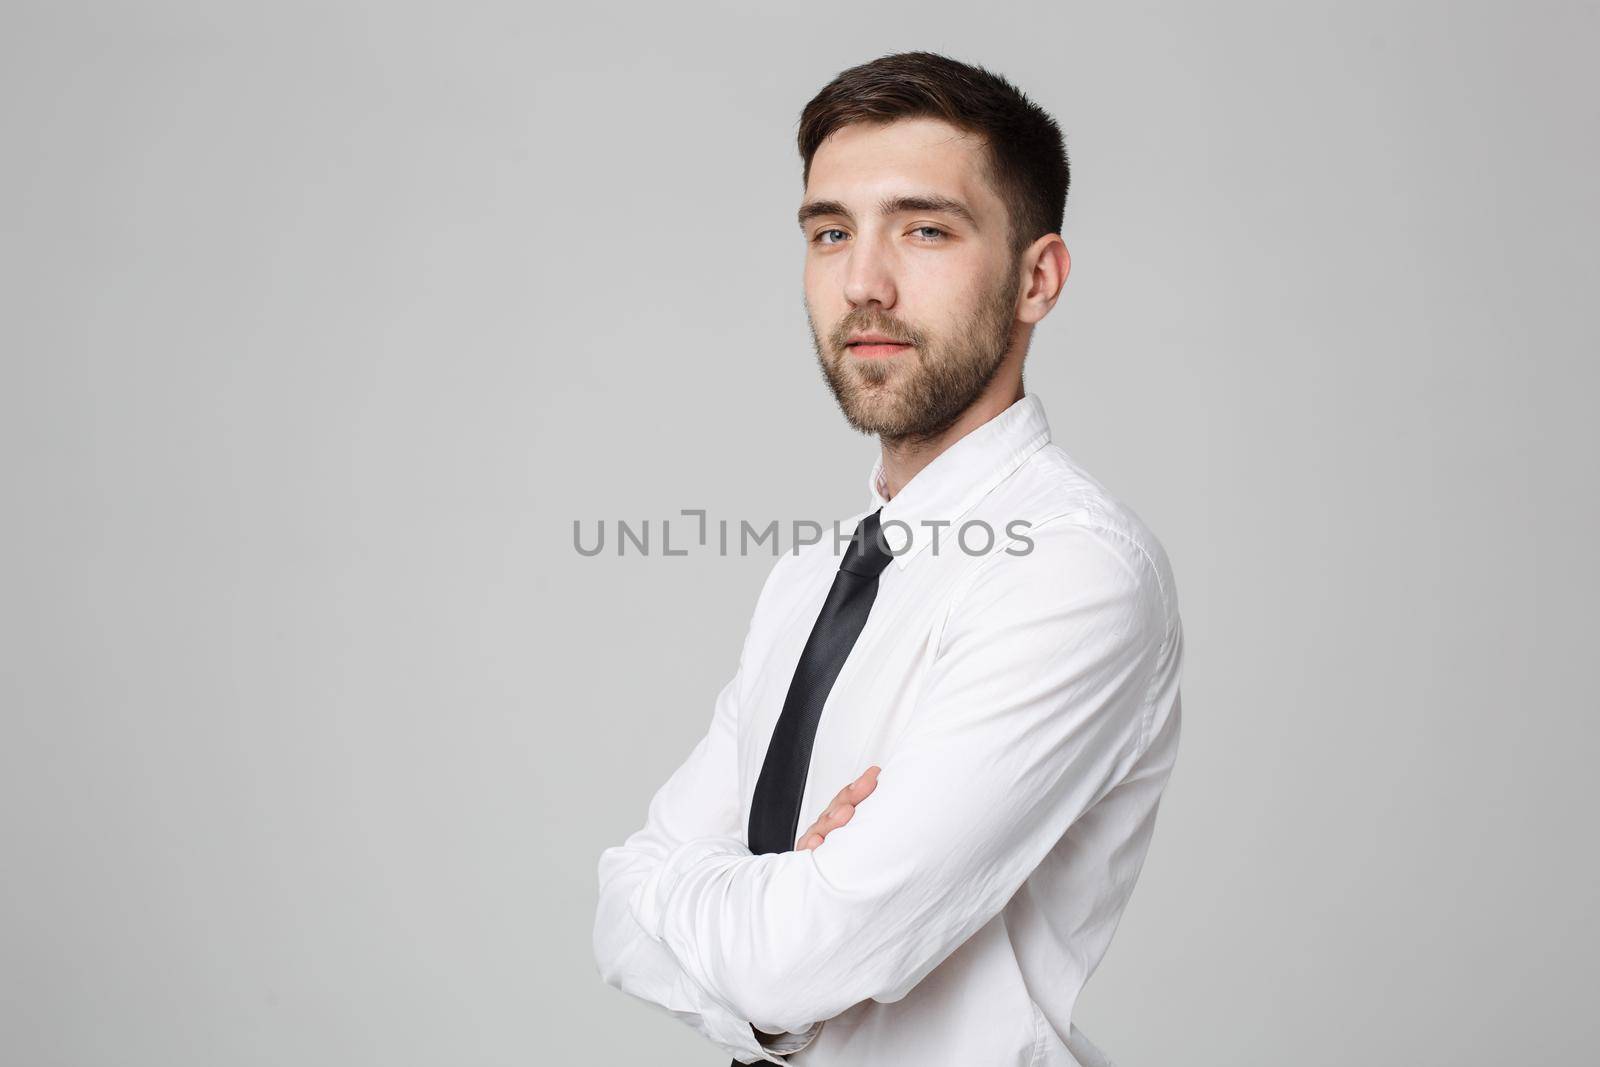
<point>867,554</point>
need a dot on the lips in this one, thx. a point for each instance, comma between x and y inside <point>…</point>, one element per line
<point>872,345</point>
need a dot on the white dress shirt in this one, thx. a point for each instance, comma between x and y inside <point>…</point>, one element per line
<point>1022,701</point>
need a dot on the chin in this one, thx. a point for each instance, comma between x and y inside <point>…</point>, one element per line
<point>872,373</point>
<point>870,414</point>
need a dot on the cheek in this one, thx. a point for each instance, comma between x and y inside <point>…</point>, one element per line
<point>824,298</point>
<point>823,278</point>
<point>946,286</point>
<point>938,300</point>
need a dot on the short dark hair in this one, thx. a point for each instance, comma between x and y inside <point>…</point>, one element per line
<point>1028,166</point>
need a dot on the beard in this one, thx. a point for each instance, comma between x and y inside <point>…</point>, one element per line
<point>915,396</point>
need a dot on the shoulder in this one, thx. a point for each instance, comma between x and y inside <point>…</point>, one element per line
<point>1065,539</point>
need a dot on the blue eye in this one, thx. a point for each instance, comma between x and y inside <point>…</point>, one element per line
<point>938,235</point>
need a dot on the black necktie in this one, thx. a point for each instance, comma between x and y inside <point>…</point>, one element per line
<point>775,808</point>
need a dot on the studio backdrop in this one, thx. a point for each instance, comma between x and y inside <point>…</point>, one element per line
<point>328,326</point>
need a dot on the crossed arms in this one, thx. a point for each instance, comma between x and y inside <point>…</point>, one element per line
<point>1037,705</point>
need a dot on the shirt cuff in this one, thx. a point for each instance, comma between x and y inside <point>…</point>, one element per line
<point>785,1044</point>
<point>739,1037</point>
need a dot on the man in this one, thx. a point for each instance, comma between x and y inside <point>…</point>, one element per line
<point>1004,707</point>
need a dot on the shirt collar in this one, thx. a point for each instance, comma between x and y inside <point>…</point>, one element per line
<point>957,478</point>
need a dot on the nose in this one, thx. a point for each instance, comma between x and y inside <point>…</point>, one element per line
<point>869,275</point>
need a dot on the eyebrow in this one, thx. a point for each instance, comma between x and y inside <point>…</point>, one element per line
<point>889,205</point>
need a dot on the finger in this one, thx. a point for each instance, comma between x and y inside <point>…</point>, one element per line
<point>841,807</point>
<point>837,815</point>
<point>855,790</point>
<point>863,786</point>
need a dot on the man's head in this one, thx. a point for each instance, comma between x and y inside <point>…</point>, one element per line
<point>934,199</point>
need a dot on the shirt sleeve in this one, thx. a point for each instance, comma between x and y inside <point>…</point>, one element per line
<point>1037,704</point>
<point>699,801</point>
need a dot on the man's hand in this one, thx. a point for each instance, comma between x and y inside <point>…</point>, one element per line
<point>840,808</point>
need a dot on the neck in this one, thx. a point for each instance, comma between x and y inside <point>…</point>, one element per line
<point>904,457</point>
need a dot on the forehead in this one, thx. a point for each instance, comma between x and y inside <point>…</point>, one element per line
<point>920,155</point>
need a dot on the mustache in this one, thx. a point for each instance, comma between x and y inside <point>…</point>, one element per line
<point>841,333</point>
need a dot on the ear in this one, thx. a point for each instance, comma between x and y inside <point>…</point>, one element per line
<point>1047,263</point>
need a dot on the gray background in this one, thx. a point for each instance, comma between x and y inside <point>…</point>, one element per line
<point>323,322</point>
